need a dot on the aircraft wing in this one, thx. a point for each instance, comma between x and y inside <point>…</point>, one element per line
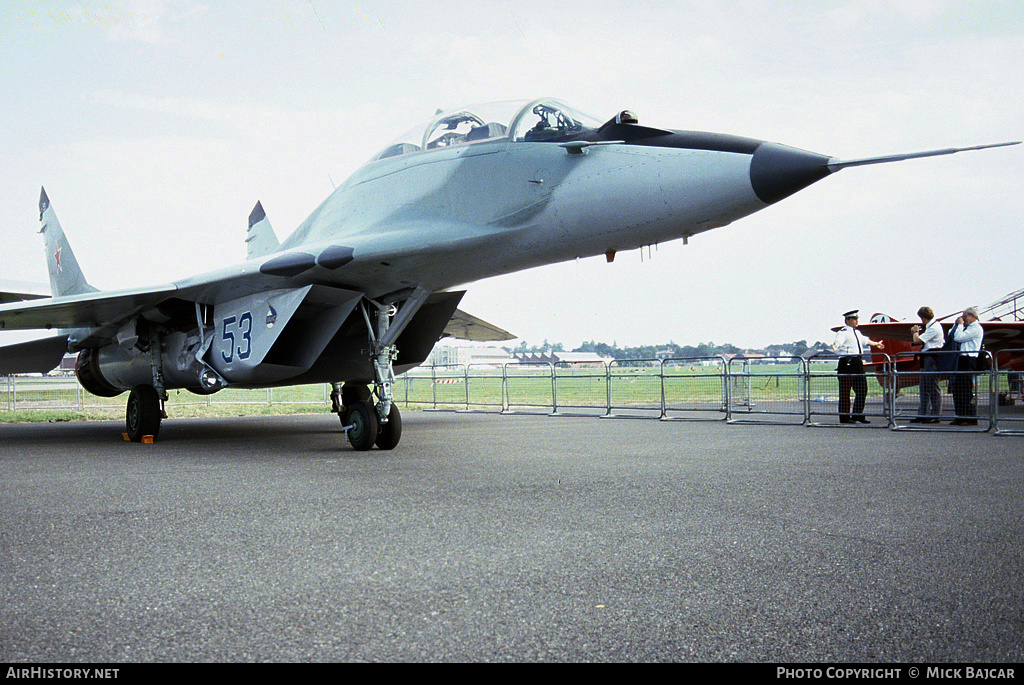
<point>80,311</point>
<point>15,291</point>
<point>893,330</point>
<point>112,307</point>
<point>999,335</point>
<point>1003,335</point>
<point>34,356</point>
<point>467,327</point>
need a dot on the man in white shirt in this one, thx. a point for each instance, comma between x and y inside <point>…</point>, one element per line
<point>968,333</point>
<point>851,344</point>
<point>930,337</point>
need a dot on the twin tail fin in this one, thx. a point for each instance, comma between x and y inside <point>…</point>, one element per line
<point>66,277</point>
<point>260,239</point>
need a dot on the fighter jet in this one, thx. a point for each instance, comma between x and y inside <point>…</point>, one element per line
<point>364,287</point>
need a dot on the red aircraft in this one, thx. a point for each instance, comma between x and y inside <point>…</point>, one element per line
<point>1003,323</point>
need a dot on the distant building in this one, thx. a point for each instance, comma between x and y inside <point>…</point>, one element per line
<point>562,358</point>
<point>464,356</point>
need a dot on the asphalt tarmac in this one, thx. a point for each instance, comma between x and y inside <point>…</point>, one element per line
<point>510,538</point>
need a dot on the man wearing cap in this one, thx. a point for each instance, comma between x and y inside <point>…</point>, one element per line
<point>850,345</point>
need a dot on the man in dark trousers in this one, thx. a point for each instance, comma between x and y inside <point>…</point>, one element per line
<point>850,345</point>
<point>968,334</point>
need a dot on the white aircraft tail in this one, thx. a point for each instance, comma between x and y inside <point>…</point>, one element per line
<point>66,277</point>
<point>261,239</point>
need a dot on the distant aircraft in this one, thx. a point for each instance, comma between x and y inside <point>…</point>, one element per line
<point>362,288</point>
<point>1002,321</point>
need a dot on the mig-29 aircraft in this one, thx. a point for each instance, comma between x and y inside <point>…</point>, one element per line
<point>362,289</point>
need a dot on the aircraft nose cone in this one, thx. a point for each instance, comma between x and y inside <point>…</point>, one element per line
<point>777,171</point>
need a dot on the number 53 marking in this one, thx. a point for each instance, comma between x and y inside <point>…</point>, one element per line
<point>242,327</point>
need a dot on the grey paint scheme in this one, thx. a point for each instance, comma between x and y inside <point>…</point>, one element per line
<point>426,221</point>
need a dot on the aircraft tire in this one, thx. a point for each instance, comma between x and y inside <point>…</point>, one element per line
<point>390,433</point>
<point>142,416</point>
<point>363,419</point>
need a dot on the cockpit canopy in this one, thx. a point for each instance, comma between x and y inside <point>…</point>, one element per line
<point>537,121</point>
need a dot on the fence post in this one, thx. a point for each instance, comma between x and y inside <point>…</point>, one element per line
<point>433,384</point>
<point>993,388</point>
<point>554,388</point>
<point>804,384</point>
<point>504,387</point>
<point>661,376</point>
<point>607,389</point>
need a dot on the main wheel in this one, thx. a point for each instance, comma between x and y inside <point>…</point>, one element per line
<point>142,416</point>
<point>363,419</point>
<point>391,432</point>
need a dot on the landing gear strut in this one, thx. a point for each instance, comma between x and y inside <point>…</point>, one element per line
<point>367,423</point>
<point>145,407</point>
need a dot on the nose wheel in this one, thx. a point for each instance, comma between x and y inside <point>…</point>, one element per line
<point>364,430</point>
<point>361,426</point>
<point>390,433</point>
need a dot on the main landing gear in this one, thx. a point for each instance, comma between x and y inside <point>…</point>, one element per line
<point>144,412</point>
<point>146,402</point>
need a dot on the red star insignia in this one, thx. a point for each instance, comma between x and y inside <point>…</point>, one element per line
<point>56,257</point>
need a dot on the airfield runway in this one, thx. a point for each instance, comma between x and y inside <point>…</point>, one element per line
<point>510,538</point>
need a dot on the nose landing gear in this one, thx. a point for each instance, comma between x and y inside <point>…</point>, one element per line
<point>367,423</point>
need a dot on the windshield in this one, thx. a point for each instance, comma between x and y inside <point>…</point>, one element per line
<point>547,120</point>
<point>538,121</point>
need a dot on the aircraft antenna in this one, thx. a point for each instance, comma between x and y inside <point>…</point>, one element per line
<point>837,164</point>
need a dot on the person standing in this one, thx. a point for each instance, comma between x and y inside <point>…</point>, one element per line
<point>850,344</point>
<point>930,337</point>
<point>969,334</point>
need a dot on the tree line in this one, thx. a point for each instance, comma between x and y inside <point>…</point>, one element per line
<point>672,350</point>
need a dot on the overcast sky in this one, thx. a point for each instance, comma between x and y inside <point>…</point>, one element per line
<point>155,126</point>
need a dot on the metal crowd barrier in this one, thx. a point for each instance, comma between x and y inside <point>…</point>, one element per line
<point>694,388</point>
<point>529,388</point>
<point>580,389</point>
<point>635,389</point>
<point>1009,387</point>
<point>824,385</point>
<point>43,392</point>
<point>767,390</point>
<point>979,388</point>
<point>784,389</point>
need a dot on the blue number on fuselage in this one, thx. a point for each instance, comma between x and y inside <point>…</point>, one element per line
<point>245,319</point>
<point>245,332</point>
<point>228,354</point>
